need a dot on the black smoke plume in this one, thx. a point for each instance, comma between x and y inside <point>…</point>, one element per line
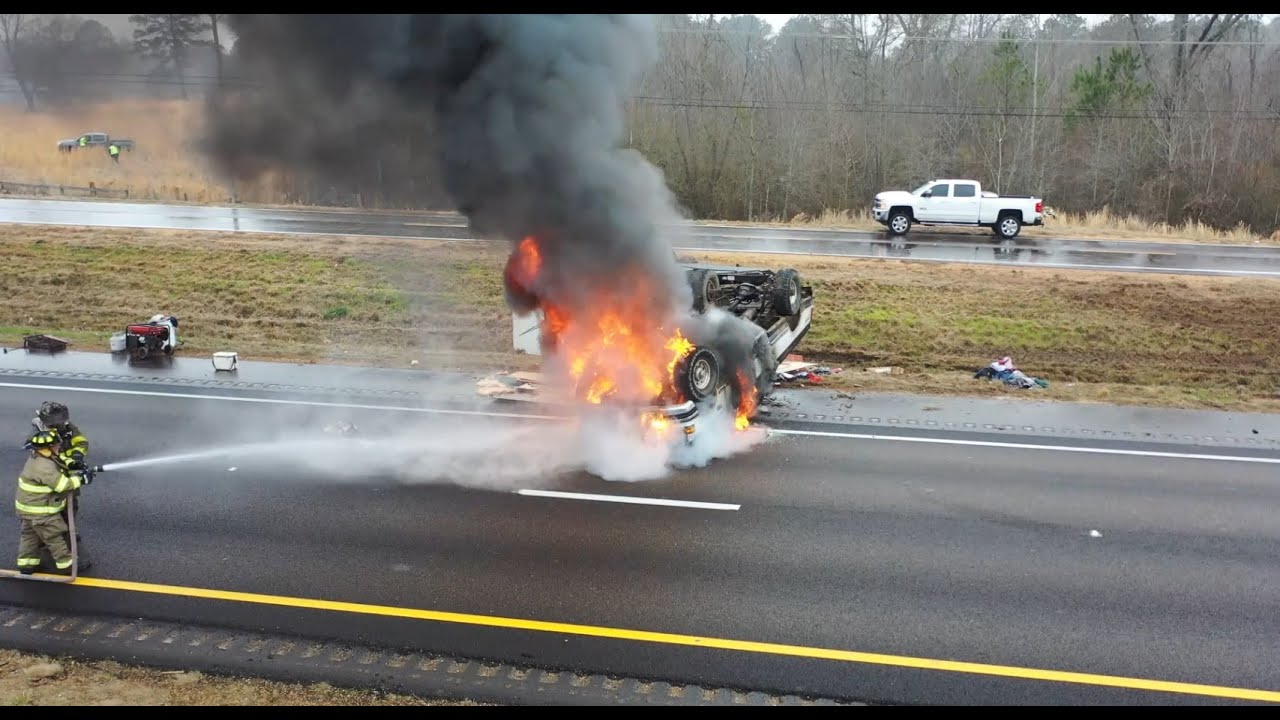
<point>526,115</point>
<point>522,117</point>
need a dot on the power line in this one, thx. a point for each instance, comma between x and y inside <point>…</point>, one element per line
<point>929,38</point>
<point>940,111</point>
<point>821,105</point>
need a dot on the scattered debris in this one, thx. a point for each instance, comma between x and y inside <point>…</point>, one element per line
<point>511,385</point>
<point>794,369</point>
<point>888,370</point>
<point>49,343</point>
<point>1004,370</point>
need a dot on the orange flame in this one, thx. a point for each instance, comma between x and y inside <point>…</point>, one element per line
<point>747,403</point>
<point>610,346</point>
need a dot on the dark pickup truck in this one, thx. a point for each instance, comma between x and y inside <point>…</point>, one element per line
<point>94,140</point>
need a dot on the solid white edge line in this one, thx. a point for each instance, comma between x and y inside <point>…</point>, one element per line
<point>1031,446</point>
<point>241,231</point>
<point>772,431</point>
<point>630,500</point>
<point>276,401</point>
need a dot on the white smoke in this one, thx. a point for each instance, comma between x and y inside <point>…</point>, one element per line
<point>488,453</point>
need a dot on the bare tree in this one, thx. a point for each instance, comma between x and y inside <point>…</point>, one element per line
<point>14,27</point>
<point>169,38</point>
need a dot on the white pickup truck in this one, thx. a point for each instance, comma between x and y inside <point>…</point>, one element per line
<point>957,202</point>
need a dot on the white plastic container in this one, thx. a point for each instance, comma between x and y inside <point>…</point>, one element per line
<point>117,343</point>
<point>225,360</point>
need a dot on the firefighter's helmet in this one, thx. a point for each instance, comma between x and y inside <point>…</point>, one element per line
<point>44,439</point>
<point>54,414</point>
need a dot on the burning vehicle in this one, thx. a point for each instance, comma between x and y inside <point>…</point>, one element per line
<point>718,356</point>
<point>523,119</point>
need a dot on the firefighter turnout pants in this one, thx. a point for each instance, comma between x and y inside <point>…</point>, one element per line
<point>50,531</point>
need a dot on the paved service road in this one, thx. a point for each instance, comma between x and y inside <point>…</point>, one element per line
<point>897,558</point>
<point>1121,256</point>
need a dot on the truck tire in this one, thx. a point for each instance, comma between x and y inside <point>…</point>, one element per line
<point>705,285</point>
<point>698,375</point>
<point>786,293</point>
<point>898,222</point>
<point>1008,226</point>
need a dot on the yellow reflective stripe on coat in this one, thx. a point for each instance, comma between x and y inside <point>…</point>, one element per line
<point>40,509</point>
<point>33,488</point>
<point>67,482</point>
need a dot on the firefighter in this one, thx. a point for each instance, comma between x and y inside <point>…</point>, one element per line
<point>41,497</point>
<point>56,417</point>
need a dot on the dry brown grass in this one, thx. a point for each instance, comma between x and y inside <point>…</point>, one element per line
<point>35,680</point>
<point>166,166</point>
<point>1098,225</point>
<point>1149,339</point>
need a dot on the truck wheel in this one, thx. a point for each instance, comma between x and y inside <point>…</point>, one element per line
<point>786,292</point>
<point>1008,226</point>
<point>899,222</point>
<point>706,285</point>
<point>699,375</point>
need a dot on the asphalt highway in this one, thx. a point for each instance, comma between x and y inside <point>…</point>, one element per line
<point>892,572</point>
<point>929,246</point>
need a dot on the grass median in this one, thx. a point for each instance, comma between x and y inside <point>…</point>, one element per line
<point>1150,339</point>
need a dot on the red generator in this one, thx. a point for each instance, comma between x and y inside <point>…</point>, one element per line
<point>158,335</point>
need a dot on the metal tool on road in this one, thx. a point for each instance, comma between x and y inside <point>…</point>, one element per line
<point>90,474</point>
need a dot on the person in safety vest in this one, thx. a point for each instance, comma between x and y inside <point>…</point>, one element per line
<point>43,489</point>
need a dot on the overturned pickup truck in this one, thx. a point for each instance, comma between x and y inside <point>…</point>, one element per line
<point>776,303</point>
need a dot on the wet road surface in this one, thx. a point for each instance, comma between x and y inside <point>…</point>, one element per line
<point>1062,253</point>
<point>1023,559</point>
<point>892,571</point>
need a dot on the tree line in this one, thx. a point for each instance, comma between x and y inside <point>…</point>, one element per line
<point>1167,117</point>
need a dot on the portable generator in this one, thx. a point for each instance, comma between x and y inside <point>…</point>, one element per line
<point>157,335</point>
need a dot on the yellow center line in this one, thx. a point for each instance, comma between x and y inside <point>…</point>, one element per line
<point>849,656</point>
